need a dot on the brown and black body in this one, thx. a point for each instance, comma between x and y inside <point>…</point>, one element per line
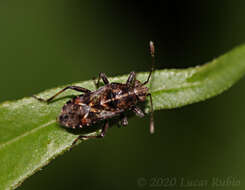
<point>108,101</point>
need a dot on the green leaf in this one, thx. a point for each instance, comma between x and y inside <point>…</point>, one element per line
<point>30,137</point>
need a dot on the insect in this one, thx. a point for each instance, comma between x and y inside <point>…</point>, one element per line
<point>109,101</point>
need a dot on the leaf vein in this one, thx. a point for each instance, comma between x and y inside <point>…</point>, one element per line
<point>26,134</point>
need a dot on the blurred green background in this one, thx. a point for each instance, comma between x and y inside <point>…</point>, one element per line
<point>44,44</point>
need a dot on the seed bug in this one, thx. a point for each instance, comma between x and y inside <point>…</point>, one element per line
<point>109,101</point>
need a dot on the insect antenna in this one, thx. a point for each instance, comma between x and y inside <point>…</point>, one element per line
<point>152,51</point>
<point>152,128</point>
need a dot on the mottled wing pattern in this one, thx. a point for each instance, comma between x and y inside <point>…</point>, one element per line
<point>107,102</point>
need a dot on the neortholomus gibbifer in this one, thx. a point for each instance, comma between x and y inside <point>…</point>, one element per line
<point>108,101</point>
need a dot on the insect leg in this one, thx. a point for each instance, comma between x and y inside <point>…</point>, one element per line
<point>138,112</point>
<point>104,130</point>
<point>131,79</point>
<point>103,77</point>
<point>76,88</point>
<point>123,121</point>
<point>151,116</point>
<point>101,135</point>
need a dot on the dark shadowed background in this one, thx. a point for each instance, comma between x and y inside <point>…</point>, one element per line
<point>44,44</point>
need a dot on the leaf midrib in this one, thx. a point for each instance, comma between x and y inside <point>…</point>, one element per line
<point>26,134</point>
